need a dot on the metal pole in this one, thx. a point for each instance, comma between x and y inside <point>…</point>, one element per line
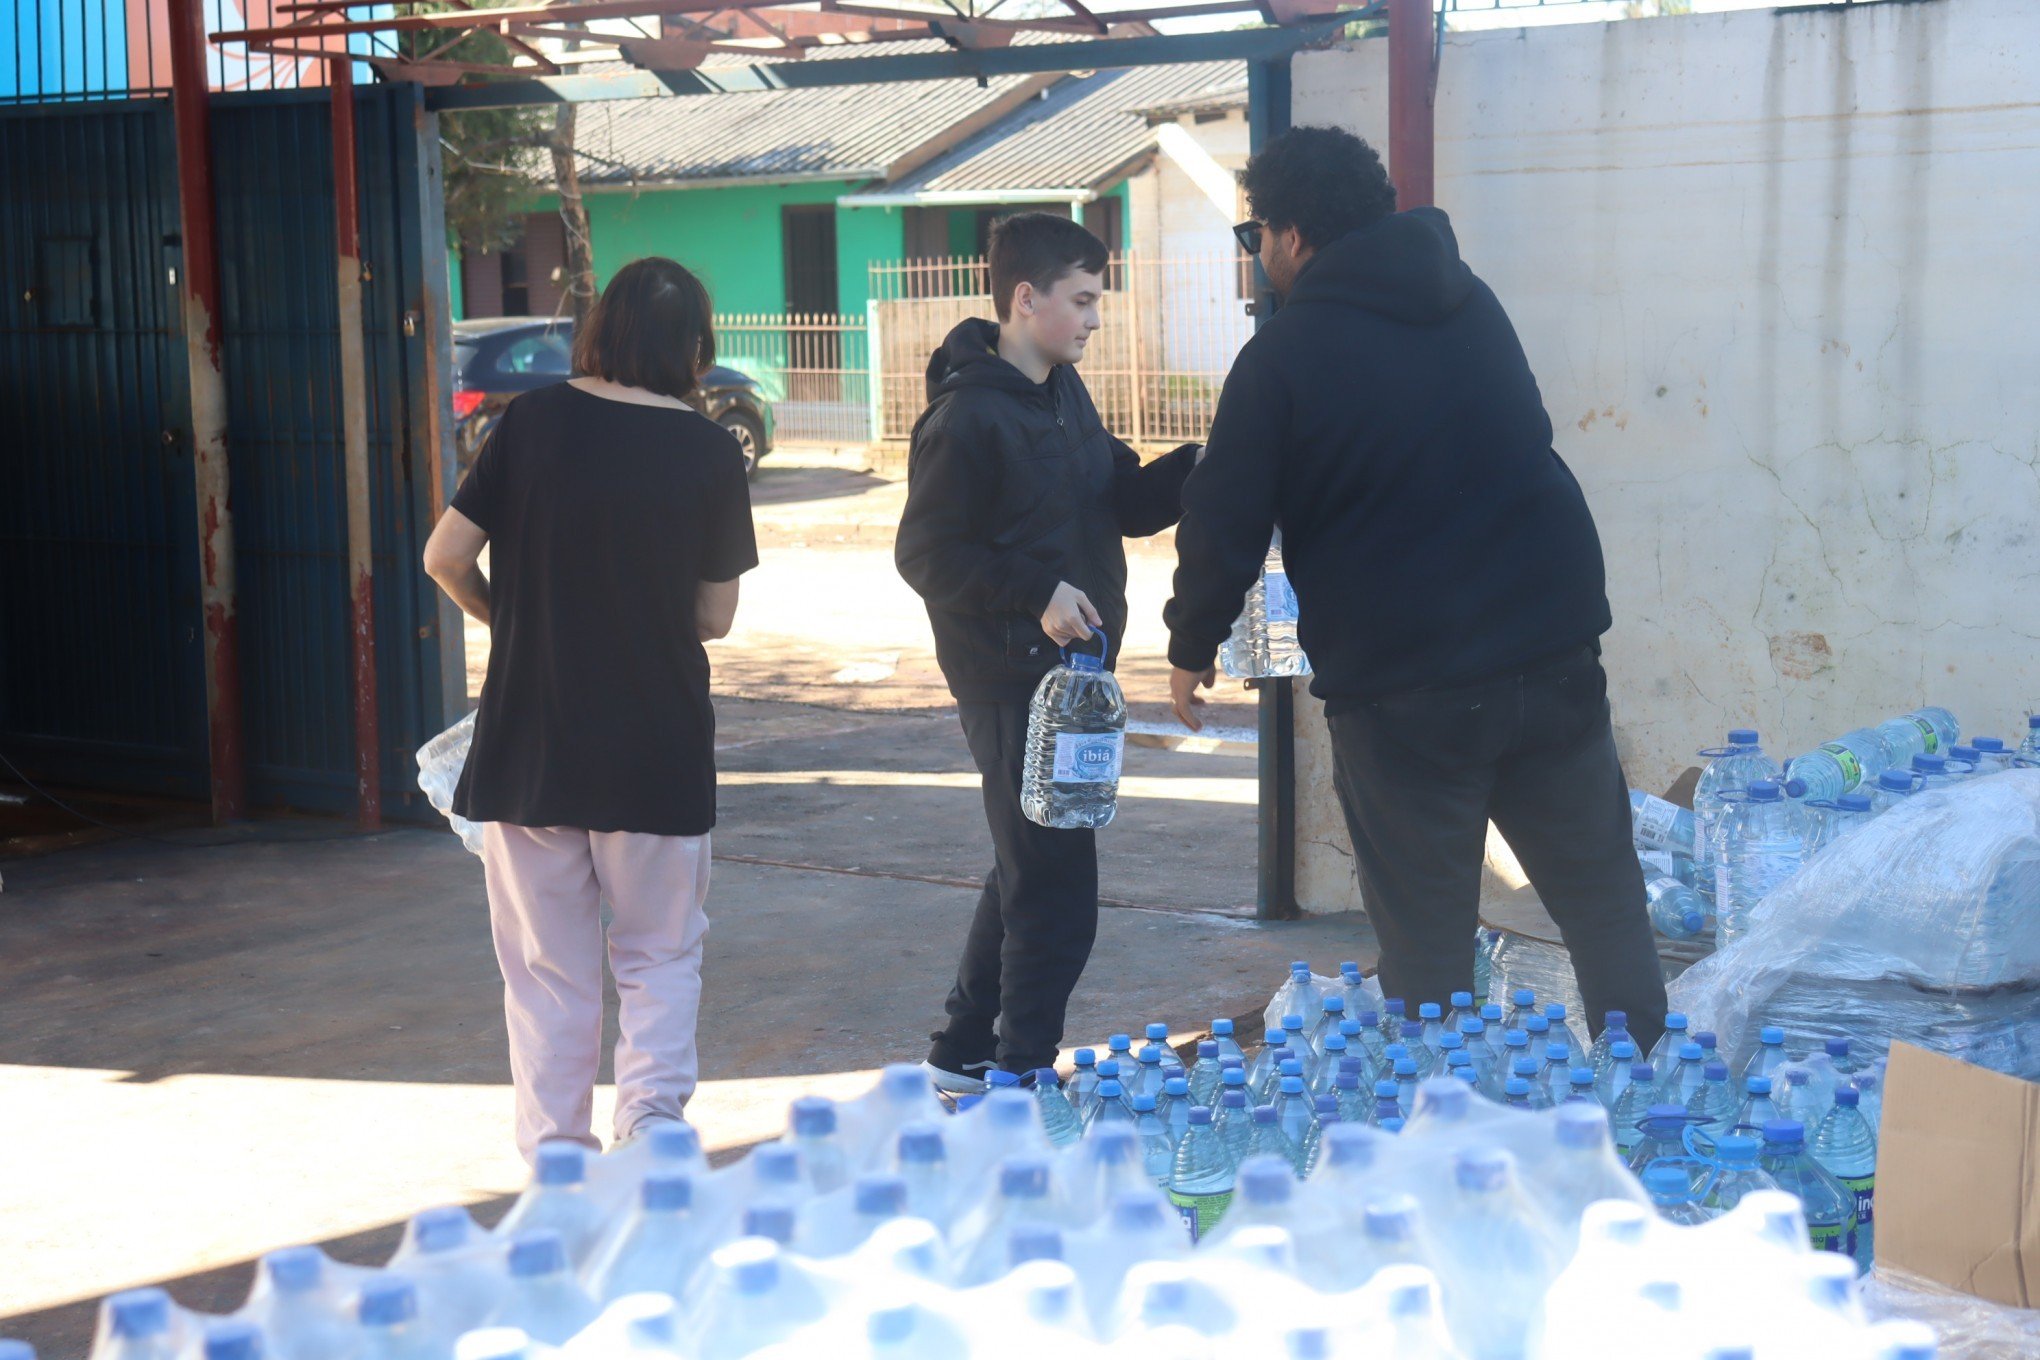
<point>1411,43</point>
<point>200,299</point>
<point>354,433</point>
<point>1275,889</point>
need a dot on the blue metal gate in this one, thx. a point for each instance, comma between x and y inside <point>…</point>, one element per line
<point>101,677</point>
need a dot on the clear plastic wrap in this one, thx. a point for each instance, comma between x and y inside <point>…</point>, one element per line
<point>1969,1328</point>
<point>440,762</point>
<point>1924,926</point>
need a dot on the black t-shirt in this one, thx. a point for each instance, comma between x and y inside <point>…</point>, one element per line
<point>603,518</point>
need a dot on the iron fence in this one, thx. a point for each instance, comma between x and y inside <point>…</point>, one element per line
<point>1171,327</point>
<point>814,369</point>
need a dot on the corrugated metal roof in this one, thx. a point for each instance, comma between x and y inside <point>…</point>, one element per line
<point>847,132</point>
<point>1080,136</point>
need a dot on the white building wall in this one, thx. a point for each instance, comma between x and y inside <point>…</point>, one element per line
<point>1777,274</point>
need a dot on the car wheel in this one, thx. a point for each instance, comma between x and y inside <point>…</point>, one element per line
<point>750,437</point>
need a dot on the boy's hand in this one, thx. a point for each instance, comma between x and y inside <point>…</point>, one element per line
<point>1070,616</point>
<point>1183,695</point>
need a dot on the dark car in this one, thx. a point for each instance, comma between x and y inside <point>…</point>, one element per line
<point>495,358</point>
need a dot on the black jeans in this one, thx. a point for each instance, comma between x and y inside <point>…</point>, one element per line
<point>1035,921</point>
<point>1421,774</point>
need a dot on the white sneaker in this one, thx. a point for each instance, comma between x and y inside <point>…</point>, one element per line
<point>955,1083</point>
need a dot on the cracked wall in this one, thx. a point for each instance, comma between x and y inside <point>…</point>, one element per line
<point>1776,273</point>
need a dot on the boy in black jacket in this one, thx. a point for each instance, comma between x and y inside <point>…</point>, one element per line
<point>1017,498</point>
<point>1447,571</point>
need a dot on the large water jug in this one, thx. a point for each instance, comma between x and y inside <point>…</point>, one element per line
<point>1076,739</point>
<point>558,1198</point>
<point>1832,769</point>
<point>1924,731</point>
<point>662,1245</point>
<point>457,1268</point>
<point>1730,769</point>
<point>1763,843</point>
<point>542,1299</point>
<point>1263,641</point>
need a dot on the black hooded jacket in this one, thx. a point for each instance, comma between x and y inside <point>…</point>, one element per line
<point>1012,488</point>
<point>1387,420</point>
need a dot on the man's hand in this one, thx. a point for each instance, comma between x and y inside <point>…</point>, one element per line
<point>1183,695</point>
<point>1070,616</point>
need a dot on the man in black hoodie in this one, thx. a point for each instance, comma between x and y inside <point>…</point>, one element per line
<point>1449,581</point>
<point>1017,498</point>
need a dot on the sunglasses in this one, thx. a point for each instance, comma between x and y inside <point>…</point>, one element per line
<point>1248,234</point>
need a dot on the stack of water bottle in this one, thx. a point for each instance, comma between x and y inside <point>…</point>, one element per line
<point>1752,824</point>
<point>886,1228</point>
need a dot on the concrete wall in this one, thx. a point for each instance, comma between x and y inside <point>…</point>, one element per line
<point>1776,272</point>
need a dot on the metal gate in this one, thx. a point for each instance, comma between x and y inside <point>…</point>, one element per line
<point>101,678</point>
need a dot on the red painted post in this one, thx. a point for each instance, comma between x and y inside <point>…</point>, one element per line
<point>1412,39</point>
<point>354,434</point>
<point>199,295</point>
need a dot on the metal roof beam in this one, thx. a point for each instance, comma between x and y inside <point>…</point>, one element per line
<point>1252,44</point>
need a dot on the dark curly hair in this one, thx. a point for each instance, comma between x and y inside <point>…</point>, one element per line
<point>1323,181</point>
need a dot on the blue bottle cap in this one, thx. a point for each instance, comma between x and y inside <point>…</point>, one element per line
<point>1516,1038</point>
<point>1274,1038</point>
<point>995,1080</point>
<point>1458,1057</point>
<point>294,1269</point>
<point>1370,1019</point>
<point>1764,791</point>
<point>1853,802</point>
<point>1336,1005</point>
<point>442,1229</point>
<point>1430,1010</point>
<point>1289,1067</point>
<point>1615,1020</point>
<point>1472,1024</point>
<point>1292,1086</point>
<point>1119,1043</point>
<point>1348,1079</point>
<point>1045,1077</point>
<point>1264,1114</point>
<point>1110,1090</point>
<point>1143,1103</point>
<point>1207,1048</point>
<point>1742,736</point>
<point>1554,1013</point>
<point>1233,1076</point>
<point>233,1339</point>
<point>1691,1052</point>
<point>921,1144</point>
<point>667,1191</point>
<point>1584,1076</point>
<point>1157,1033</point>
<point>1990,744</point>
<point>1293,1025</point>
<point>1265,1180</point>
<point>1848,1097</point>
<point>1108,1069</point>
<point>881,1196</point>
<point>815,1116</point>
<point>1200,1114</point>
<point>1771,1034</point>
<point>1221,1028</point>
<point>1086,1057</point>
<point>1023,1177</point>
<point>1838,1048</point>
<point>1234,1099</point>
<point>1715,1071</point>
<point>1413,1029</point>
<point>1462,1001</point>
<point>136,1313</point>
<point>1557,1053</point>
<point>1927,764</point>
<point>1675,1020</point>
<point>1299,966</point>
<point>1966,754</point>
<point>1523,996</point>
<point>2033,721</point>
<point>1392,1123</point>
<point>1524,1067</point>
<point>1151,1054</point>
<point>387,1301</point>
<point>538,1252</point>
<point>1348,968</point>
<point>1641,1073</point>
<point>1798,1076</point>
<point>773,1164</point>
<point>1394,1006</point>
<point>1392,1219</point>
<point>1386,1090</point>
<point>1176,1087</point>
<point>770,1220</point>
<point>1706,1038</point>
<point>1491,1011</point>
<point>1448,1043</point>
<point>1335,1043</point>
<point>1536,1024</point>
<point>1758,1086</point>
<point>1785,1132</point>
<point>673,1141</point>
<point>1667,1182</point>
<point>1396,1050</point>
<point>1622,1048</point>
<point>1482,1170</point>
<point>1581,1126</point>
<point>1406,1067</point>
<point>1795,788</point>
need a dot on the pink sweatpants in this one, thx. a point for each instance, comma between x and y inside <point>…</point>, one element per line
<point>546,889</point>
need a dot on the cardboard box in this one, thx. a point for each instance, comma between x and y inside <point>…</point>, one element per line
<point>1958,1177</point>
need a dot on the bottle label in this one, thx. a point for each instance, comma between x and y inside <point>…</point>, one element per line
<point>1280,597</point>
<point>1088,757</point>
<point>1864,1188</point>
<point>1654,821</point>
<point>1657,862</point>
<point>1201,1212</point>
<point>1928,735</point>
<point>1836,1237</point>
<point>1852,767</point>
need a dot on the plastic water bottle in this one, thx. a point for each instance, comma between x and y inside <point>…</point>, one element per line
<point>1296,1117</point>
<point>1300,996</point>
<point>558,1199</point>
<point>1678,1086</point>
<point>1157,1149</point>
<point>1931,772</point>
<point>1834,768</point>
<point>1201,1181</point>
<point>1830,822</point>
<point>819,1141</point>
<point>1488,1232</point>
<point>1729,769</point>
<point>1736,1171</point>
<point>138,1324</point>
<point>1561,1032</point>
<point>921,1159</point>
<point>1632,1106</point>
<point>1021,1200</point>
<point>1386,1105</point>
<point>1111,1107</point>
<point>1770,1054</point>
<point>1991,755</point>
<point>1614,1030</point>
<point>232,1339</point>
<point>1174,1109</point>
<point>1430,1025</point>
<point>1924,731</point>
<point>757,1297</point>
<point>387,1309</point>
<point>1205,1073</point>
<point>1713,1104</point>
<point>1264,641</point>
<point>661,1246</point>
<point>1261,1067</point>
<point>1870,1091</point>
<point>1675,909</point>
<point>456,1268</point>
<point>1076,740</point>
<point>1234,1121</point>
<point>1671,1194</point>
<point>1148,1076</point>
<point>1763,843</point>
<point>1845,1146</point>
<point>301,1309</point>
<point>1829,1207</point>
<point>1659,825</point>
<point>1228,1044</point>
<point>1522,1006</point>
<point>542,1299</point>
<point>1058,1119</point>
<point>1331,1010</point>
<point>1557,1073</point>
<point>1893,787</point>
